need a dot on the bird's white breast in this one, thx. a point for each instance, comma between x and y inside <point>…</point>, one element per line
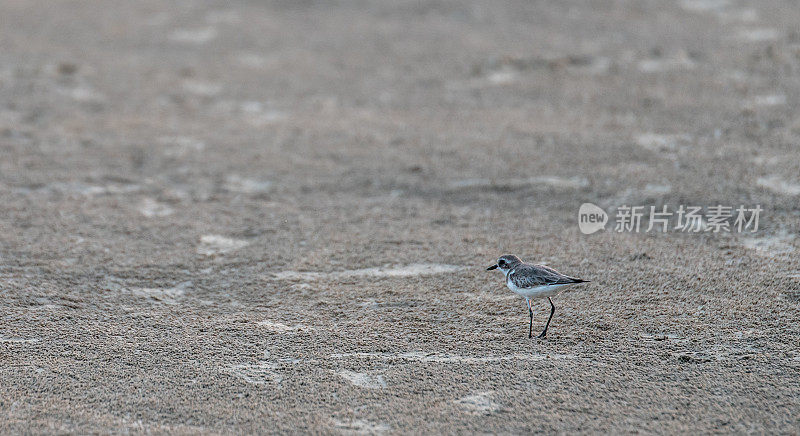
<point>535,291</point>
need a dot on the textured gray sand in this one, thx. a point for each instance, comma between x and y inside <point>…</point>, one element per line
<point>160,167</point>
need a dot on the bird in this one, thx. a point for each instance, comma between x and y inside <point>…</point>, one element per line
<point>533,281</point>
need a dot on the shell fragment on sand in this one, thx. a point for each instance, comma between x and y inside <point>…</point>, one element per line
<point>362,379</point>
<point>278,327</point>
<point>399,271</point>
<point>217,244</point>
<point>234,183</point>
<point>153,209</point>
<point>540,181</point>
<point>163,295</point>
<point>481,402</point>
<point>417,356</point>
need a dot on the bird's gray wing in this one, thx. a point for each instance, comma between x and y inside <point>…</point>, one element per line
<point>529,276</point>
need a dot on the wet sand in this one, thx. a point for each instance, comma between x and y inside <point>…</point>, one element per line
<point>276,216</point>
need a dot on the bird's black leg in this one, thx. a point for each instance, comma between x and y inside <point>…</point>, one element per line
<point>552,311</point>
<point>530,326</point>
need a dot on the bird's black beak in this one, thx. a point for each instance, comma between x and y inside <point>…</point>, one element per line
<point>491,267</point>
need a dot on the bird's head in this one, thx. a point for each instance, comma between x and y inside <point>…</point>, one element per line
<point>506,263</point>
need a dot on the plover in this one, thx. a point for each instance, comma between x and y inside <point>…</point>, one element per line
<point>533,281</point>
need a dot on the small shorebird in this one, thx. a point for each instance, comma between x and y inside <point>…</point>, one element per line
<point>533,281</point>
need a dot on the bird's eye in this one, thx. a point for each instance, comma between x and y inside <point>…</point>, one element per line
<point>501,262</point>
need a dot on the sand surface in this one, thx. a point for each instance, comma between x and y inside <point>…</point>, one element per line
<point>276,216</point>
